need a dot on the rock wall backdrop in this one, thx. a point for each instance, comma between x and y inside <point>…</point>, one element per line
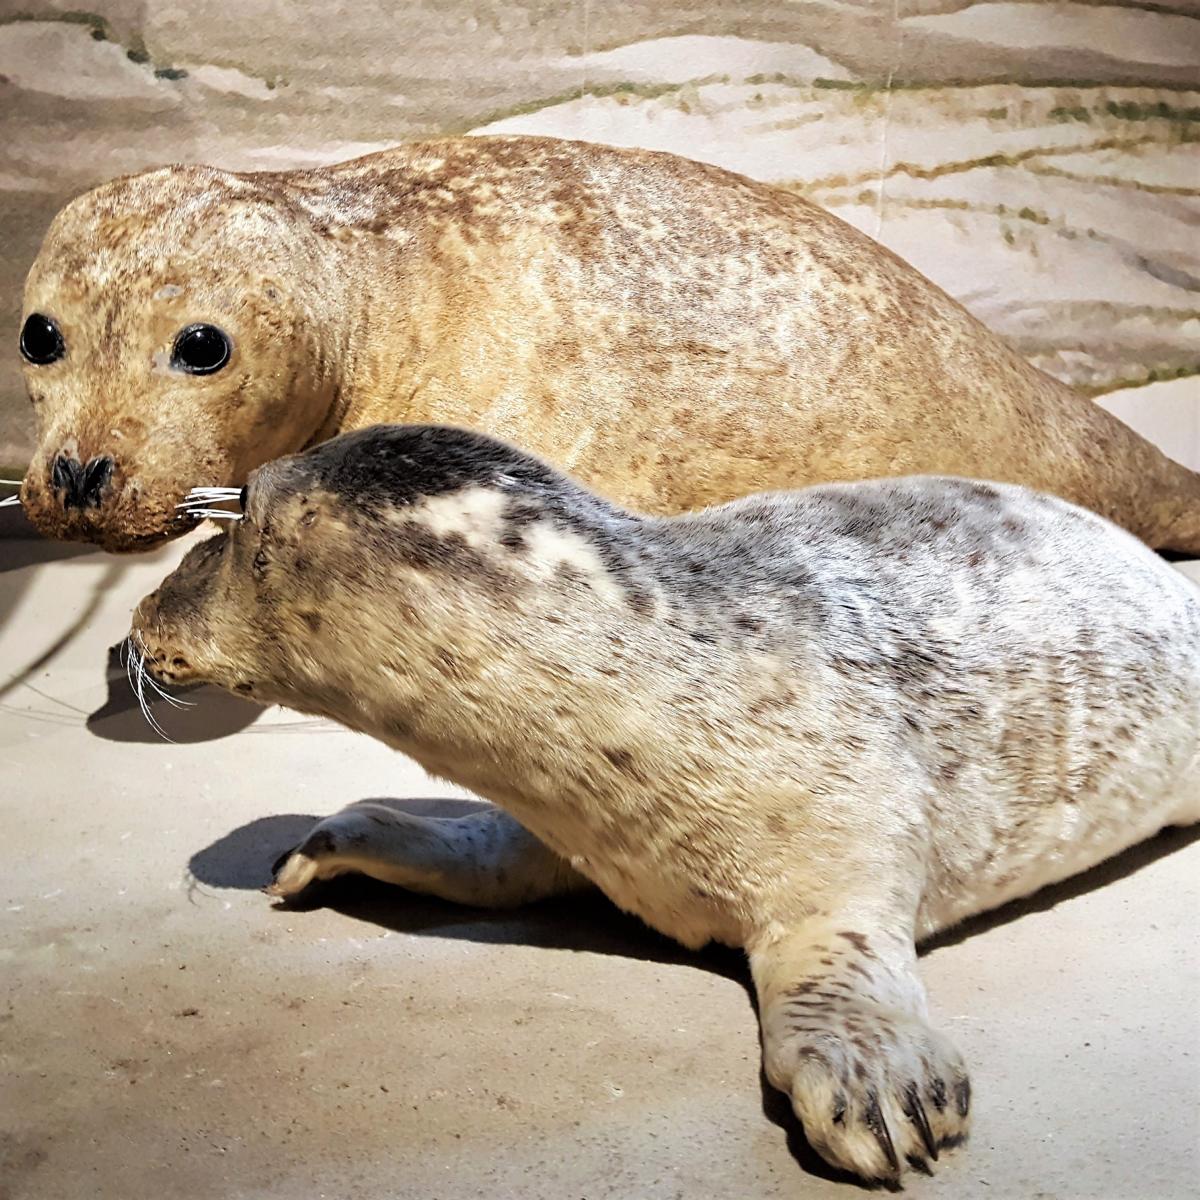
<point>1039,160</point>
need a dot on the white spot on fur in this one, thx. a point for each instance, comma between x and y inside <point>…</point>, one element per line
<point>474,513</point>
<point>550,548</point>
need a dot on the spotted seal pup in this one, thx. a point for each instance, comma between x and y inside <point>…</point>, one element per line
<point>819,725</point>
<point>673,334</point>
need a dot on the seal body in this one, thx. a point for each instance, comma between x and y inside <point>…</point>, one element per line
<point>673,334</point>
<point>818,725</point>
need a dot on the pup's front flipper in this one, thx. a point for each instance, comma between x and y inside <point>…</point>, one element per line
<point>845,1036</point>
<point>485,859</point>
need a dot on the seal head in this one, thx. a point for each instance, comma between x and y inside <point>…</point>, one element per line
<point>383,536</point>
<point>154,366</point>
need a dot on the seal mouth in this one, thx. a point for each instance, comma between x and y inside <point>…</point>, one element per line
<point>113,541</point>
<point>128,526</point>
<point>142,541</point>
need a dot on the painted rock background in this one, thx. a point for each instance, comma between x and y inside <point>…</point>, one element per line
<point>1039,160</point>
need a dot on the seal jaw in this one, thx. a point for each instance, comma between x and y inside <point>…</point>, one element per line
<point>171,628</point>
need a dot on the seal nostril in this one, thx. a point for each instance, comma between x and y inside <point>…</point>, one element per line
<point>178,662</point>
<point>64,477</point>
<point>95,477</point>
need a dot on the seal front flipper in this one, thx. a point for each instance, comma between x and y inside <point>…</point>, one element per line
<point>844,1036</point>
<point>486,859</point>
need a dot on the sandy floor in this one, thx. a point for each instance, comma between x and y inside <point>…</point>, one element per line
<point>166,1032</point>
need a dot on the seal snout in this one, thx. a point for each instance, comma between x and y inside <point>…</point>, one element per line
<point>163,661</point>
<point>80,485</point>
<point>71,496</point>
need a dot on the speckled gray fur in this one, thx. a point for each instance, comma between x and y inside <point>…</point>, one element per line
<point>819,725</point>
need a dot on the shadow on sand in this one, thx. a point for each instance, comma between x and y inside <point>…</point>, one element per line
<point>243,857</point>
<point>587,922</point>
<point>208,713</point>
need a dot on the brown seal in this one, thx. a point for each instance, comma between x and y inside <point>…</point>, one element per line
<point>819,725</point>
<point>672,333</point>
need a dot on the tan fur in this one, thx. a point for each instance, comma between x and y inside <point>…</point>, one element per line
<point>673,334</point>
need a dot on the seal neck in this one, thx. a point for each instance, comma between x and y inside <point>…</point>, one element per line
<point>373,334</point>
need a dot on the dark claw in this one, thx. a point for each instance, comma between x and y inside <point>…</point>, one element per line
<point>878,1126</point>
<point>919,1164</point>
<point>962,1096</point>
<point>937,1093</point>
<point>915,1112</point>
<point>839,1109</point>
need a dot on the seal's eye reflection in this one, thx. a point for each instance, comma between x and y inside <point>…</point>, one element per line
<point>200,350</point>
<point>41,341</point>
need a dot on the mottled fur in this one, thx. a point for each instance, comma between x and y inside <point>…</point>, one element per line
<point>818,725</point>
<point>673,334</point>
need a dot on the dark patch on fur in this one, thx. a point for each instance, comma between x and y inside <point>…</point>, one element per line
<point>859,942</point>
<point>640,602</point>
<point>390,467</point>
<point>802,988</point>
<point>623,761</point>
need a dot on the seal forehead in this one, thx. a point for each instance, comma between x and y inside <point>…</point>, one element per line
<point>149,223</point>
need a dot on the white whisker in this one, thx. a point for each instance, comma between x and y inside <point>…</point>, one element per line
<point>144,704</point>
<point>199,503</point>
<point>9,501</point>
<point>13,482</point>
<point>173,701</point>
<point>127,653</point>
<point>138,665</point>
<point>212,493</point>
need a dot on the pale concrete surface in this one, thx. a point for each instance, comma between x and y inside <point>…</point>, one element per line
<point>166,1033</point>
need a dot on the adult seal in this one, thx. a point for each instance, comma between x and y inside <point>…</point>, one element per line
<point>673,334</point>
<point>820,726</point>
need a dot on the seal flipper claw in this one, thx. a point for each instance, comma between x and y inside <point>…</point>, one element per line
<point>876,1122</point>
<point>915,1111</point>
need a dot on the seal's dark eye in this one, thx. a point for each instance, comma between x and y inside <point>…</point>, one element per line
<point>200,350</point>
<point>41,342</point>
<point>242,498</point>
